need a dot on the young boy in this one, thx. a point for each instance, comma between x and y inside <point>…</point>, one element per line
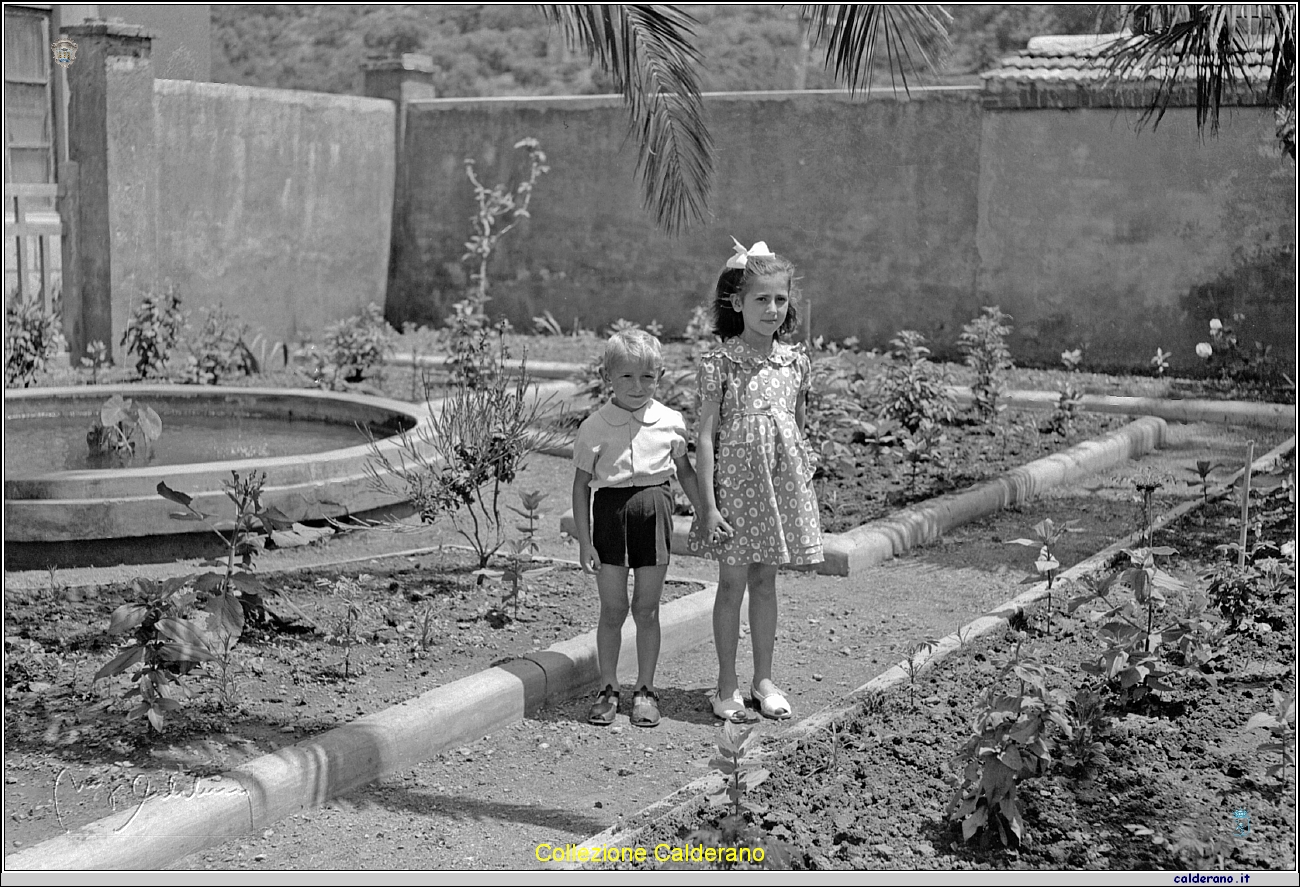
<point>627,451</point>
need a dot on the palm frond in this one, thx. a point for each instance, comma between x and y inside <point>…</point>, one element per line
<point>854,31</point>
<point>1213,46</point>
<point>647,49</point>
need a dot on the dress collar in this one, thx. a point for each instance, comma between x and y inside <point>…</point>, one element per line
<point>741,352</point>
<point>648,414</point>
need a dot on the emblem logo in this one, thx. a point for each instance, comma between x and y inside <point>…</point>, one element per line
<point>1241,823</point>
<point>65,52</point>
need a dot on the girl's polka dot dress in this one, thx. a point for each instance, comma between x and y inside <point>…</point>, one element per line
<point>762,470</point>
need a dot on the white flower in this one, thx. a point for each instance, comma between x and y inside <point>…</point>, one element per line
<point>1288,549</point>
<point>1216,325</point>
<point>1203,350</point>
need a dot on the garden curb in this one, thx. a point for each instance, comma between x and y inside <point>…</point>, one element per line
<point>878,541</point>
<point>1222,412</point>
<point>628,832</point>
<point>187,818</point>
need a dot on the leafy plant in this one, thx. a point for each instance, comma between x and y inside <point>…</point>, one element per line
<point>547,325</point>
<point>32,339</point>
<point>912,389</point>
<point>165,644</point>
<point>1072,359</point>
<point>1084,750</point>
<point>519,568</point>
<point>113,432</point>
<point>153,331</point>
<point>1133,661</point>
<point>1204,468</point>
<point>1047,535</point>
<point>352,348</point>
<point>96,359</point>
<point>734,831</point>
<point>1068,403</point>
<point>836,415</point>
<point>468,323</point>
<point>1281,725</point>
<point>1160,362</point>
<point>475,442</point>
<point>913,664</point>
<point>1146,484</point>
<point>1013,740</point>
<point>983,343</point>
<point>922,446</point>
<point>243,538</point>
<point>219,350</point>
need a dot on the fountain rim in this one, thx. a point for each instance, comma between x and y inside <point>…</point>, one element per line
<point>419,415</point>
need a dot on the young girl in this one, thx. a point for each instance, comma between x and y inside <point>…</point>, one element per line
<point>753,465</point>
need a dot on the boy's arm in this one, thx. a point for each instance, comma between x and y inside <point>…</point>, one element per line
<point>689,482</point>
<point>587,556</point>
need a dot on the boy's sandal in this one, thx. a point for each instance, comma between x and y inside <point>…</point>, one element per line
<point>730,709</point>
<point>773,705</point>
<point>645,708</point>
<point>604,709</point>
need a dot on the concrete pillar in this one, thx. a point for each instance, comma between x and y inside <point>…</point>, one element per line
<point>111,141</point>
<point>401,78</point>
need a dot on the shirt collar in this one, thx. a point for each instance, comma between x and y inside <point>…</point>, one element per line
<point>648,414</point>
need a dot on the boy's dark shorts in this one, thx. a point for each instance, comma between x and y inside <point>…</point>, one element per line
<point>632,526</point>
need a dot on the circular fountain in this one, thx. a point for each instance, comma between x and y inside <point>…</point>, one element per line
<point>66,508</point>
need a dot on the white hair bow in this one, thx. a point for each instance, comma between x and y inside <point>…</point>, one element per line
<point>741,258</point>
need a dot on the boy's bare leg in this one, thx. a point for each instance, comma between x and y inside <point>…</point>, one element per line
<point>611,585</point>
<point>647,589</point>
<point>726,624</point>
<point>762,623</point>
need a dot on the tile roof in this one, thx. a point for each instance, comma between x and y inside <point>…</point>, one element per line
<point>1071,61</point>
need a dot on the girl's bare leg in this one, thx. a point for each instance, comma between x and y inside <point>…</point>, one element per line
<point>726,624</point>
<point>762,622</point>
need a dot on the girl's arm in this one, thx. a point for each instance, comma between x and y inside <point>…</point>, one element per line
<point>705,447</point>
<point>801,410</point>
<point>587,556</point>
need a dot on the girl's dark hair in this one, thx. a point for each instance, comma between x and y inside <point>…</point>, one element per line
<point>727,321</point>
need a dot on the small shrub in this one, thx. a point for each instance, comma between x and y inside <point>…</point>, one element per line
<point>153,332</point>
<point>983,342</point>
<point>476,441</point>
<point>912,389</point>
<point>219,350</point>
<point>96,360</point>
<point>32,339</point>
<point>353,347</point>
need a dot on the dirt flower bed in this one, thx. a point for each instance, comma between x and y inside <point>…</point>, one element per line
<point>882,481</point>
<point>1173,778</point>
<point>366,638</point>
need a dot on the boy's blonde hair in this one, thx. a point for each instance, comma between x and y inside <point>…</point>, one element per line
<point>632,346</point>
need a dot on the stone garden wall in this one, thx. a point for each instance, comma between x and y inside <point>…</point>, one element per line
<point>899,211</point>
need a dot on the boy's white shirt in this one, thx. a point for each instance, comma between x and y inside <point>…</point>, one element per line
<point>622,448</point>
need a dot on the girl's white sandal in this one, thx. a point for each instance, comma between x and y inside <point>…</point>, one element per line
<point>730,709</point>
<point>773,705</point>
